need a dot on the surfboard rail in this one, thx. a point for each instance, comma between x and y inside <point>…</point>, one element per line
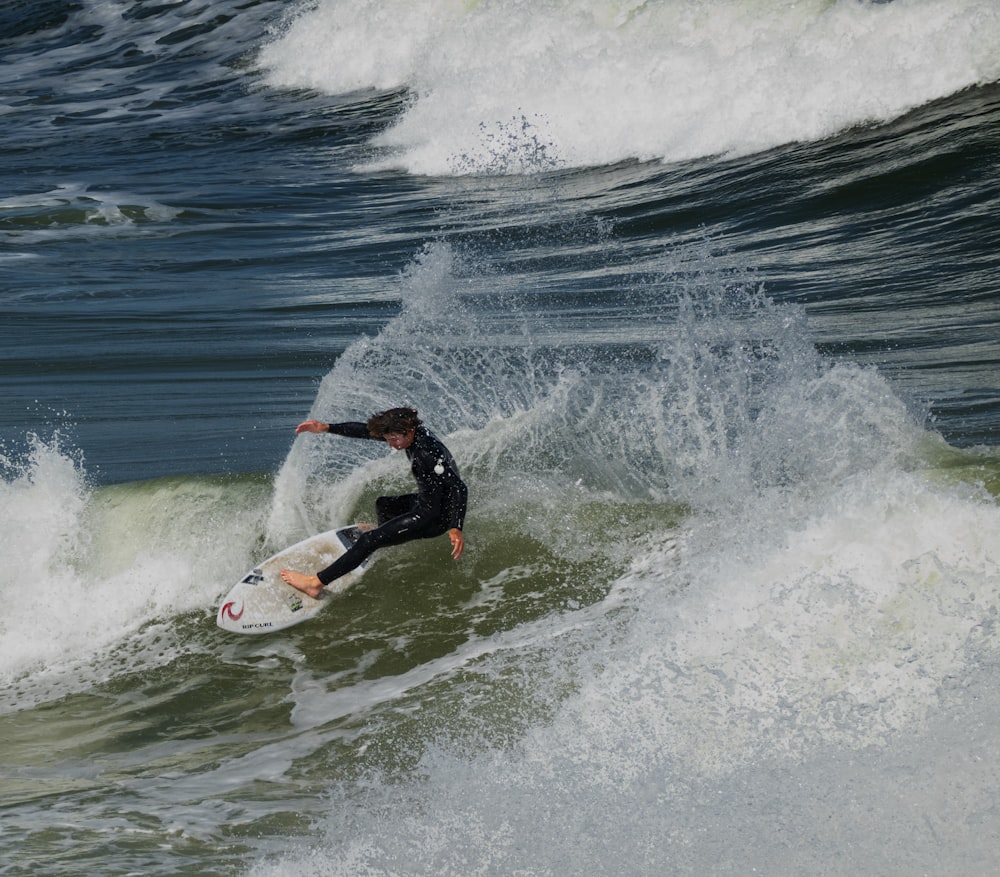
<point>261,602</point>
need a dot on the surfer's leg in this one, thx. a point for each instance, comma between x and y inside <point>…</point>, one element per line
<point>400,529</point>
<point>396,525</point>
<point>389,507</point>
<point>349,560</point>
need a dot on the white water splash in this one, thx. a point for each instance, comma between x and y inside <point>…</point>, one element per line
<point>596,82</point>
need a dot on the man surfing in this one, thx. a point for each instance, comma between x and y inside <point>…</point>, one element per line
<point>437,507</point>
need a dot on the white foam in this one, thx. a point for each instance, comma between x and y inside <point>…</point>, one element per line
<point>499,84</point>
<point>823,598</point>
<point>87,572</point>
<point>726,706</point>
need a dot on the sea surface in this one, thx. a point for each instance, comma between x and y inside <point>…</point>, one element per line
<point>703,295</point>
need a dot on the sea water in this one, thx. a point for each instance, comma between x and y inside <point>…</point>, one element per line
<point>701,296</point>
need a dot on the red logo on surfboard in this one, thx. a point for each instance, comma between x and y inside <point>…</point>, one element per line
<point>227,609</point>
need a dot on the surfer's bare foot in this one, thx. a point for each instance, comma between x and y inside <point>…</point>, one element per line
<point>310,585</point>
<point>364,528</point>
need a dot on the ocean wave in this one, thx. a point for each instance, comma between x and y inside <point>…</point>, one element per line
<point>592,83</point>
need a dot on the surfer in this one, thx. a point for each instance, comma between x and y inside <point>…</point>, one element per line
<point>437,507</point>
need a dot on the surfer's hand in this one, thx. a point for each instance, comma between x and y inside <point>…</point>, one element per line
<point>311,426</point>
<point>457,542</point>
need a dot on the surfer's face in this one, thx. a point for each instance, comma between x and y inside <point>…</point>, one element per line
<point>399,441</point>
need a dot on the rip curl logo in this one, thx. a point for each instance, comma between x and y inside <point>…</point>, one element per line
<point>227,610</point>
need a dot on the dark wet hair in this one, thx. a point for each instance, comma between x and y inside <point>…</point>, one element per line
<point>395,420</point>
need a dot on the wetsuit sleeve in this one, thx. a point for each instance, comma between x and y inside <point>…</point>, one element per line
<point>442,495</point>
<point>351,429</point>
<point>455,506</point>
<point>443,498</point>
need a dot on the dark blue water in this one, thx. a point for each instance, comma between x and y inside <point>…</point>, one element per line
<point>704,297</point>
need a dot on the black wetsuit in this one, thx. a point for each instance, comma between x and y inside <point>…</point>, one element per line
<point>438,505</point>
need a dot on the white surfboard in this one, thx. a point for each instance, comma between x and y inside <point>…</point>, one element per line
<point>261,602</point>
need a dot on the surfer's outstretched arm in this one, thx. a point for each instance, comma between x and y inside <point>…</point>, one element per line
<point>312,426</point>
<point>348,429</point>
